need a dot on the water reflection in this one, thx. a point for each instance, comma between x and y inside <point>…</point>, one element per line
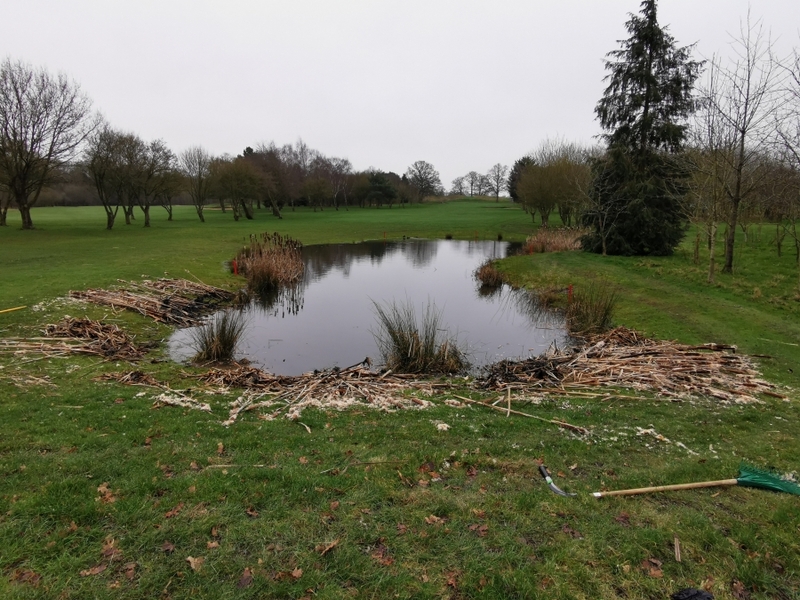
<point>327,319</point>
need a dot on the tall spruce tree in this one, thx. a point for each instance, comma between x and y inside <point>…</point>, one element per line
<point>639,183</point>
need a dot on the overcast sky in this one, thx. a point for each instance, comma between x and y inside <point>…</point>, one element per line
<point>461,84</point>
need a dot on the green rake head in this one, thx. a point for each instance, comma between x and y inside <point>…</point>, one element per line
<point>751,476</point>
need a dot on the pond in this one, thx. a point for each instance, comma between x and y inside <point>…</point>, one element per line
<point>329,318</point>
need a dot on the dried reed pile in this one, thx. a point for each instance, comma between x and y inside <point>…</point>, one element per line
<point>77,336</point>
<point>174,301</point>
<point>621,358</point>
<point>548,239</point>
<point>270,262</point>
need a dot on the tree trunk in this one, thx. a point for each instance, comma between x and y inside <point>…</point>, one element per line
<point>696,259</point>
<point>712,247</point>
<point>199,210</point>
<point>25,214</point>
<point>730,238</point>
<point>146,211</point>
<point>110,216</point>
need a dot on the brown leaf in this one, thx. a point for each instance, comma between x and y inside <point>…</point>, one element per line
<point>434,520</point>
<point>623,519</point>
<point>192,489</point>
<point>106,497</point>
<point>452,579</point>
<point>110,551</point>
<point>214,532</point>
<point>323,549</point>
<point>194,466</point>
<point>481,514</point>
<point>195,563</point>
<point>472,471</point>
<point>72,527</point>
<point>561,474</point>
<point>297,573</point>
<point>246,580</point>
<point>94,570</point>
<point>334,505</point>
<point>212,545</point>
<point>652,567</point>
<point>571,532</point>
<point>251,512</point>
<point>739,591</point>
<point>168,547</point>
<point>423,483</point>
<point>26,576</point>
<point>174,512</point>
<point>303,460</point>
<point>130,570</point>
<point>401,529</point>
<point>220,449</point>
<point>148,441</point>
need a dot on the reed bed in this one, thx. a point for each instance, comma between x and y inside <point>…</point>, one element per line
<point>406,346</point>
<point>622,358</point>
<point>489,276</point>
<point>218,338</point>
<point>546,239</point>
<point>592,309</point>
<point>271,262</point>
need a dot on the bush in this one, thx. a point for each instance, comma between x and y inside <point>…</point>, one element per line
<point>489,276</point>
<point>217,339</point>
<point>406,347</point>
<point>591,309</point>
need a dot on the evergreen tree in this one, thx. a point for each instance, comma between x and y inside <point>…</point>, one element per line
<point>641,179</point>
<point>515,174</point>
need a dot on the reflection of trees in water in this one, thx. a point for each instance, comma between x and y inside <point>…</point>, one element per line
<point>420,253</point>
<point>525,303</point>
<point>321,260</point>
<point>283,301</point>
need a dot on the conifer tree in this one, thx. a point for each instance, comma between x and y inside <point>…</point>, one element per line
<point>639,183</point>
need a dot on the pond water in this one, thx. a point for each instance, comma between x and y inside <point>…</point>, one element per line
<point>329,319</point>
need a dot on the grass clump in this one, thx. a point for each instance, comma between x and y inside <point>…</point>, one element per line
<point>489,275</point>
<point>591,309</point>
<point>270,262</point>
<point>408,347</point>
<point>548,239</point>
<point>217,339</point>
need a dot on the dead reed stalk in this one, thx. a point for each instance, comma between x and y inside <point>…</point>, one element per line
<point>547,239</point>
<point>271,262</point>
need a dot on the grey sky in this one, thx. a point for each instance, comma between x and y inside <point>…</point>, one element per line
<point>462,84</point>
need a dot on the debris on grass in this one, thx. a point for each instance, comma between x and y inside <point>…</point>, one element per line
<point>174,301</point>
<point>622,358</point>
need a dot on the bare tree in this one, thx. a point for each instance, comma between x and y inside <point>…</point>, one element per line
<point>497,177</point>
<point>473,180</point>
<point>195,163</point>
<point>103,166</point>
<point>423,176</point>
<point>458,187</point>
<point>743,94</point>
<point>43,121</point>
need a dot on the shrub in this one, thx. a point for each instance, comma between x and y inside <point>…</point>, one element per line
<point>591,309</point>
<point>406,347</point>
<point>548,239</point>
<point>217,339</point>
<point>270,262</point>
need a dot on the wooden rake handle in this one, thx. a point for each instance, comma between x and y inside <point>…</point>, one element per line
<point>667,488</point>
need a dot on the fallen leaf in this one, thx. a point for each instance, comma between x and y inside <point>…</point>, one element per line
<point>472,471</point>
<point>94,570</point>
<point>297,573</point>
<point>195,563</point>
<point>739,591</point>
<point>192,489</point>
<point>106,497</point>
<point>214,532</point>
<point>110,550</point>
<point>72,527</point>
<point>626,569</point>
<point>168,547</point>
<point>573,467</point>
<point>220,449</point>
<point>246,580</point>
<point>303,460</point>
<point>194,466</point>
<point>251,512</point>
<point>652,567</point>
<point>212,545</point>
<point>334,505</point>
<point>481,514</point>
<point>561,474</point>
<point>424,483</point>
<point>26,576</point>
<point>401,529</point>
<point>434,520</point>
<point>623,519</point>
<point>571,532</point>
<point>366,511</point>
<point>147,442</point>
<point>452,579</point>
<point>174,512</point>
<point>546,582</point>
<point>130,570</point>
<point>323,549</point>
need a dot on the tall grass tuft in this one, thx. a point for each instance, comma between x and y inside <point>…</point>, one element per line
<point>407,347</point>
<point>592,309</point>
<point>548,239</point>
<point>270,262</point>
<point>488,274</point>
<point>217,339</point>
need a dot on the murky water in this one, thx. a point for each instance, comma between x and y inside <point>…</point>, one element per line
<point>330,318</point>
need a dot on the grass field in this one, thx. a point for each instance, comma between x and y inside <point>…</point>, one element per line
<point>103,496</point>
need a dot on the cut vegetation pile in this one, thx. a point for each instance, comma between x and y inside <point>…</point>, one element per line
<point>621,358</point>
<point>174,301</point>
<point>78,336</point>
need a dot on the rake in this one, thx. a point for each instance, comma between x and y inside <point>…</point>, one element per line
<point>749,476</point>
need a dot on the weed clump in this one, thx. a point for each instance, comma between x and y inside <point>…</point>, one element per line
<point>489,275</point>
<point>407,347</point>
<point>591,309</point>
<point>270,262</point>
<point>548,239</point>
<point>217,339</point>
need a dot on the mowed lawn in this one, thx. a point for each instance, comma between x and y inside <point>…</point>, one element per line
<point>104,495</point>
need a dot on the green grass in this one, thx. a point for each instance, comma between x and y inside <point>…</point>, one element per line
<point>354,479</point>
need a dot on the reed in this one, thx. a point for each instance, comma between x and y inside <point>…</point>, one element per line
<point>270,262</point>
<point>548,239</point>
<point>406,346</point>
<point>217,339</point>
<point>592,309</point>
<point>489,275</point>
